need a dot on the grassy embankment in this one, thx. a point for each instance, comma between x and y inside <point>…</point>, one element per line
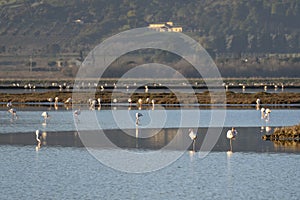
<point>288,136</point>
<point>161,98</point>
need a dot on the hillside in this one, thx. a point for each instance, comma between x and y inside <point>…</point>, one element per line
<point>49,30</point>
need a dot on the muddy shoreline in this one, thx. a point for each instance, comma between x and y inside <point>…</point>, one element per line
<point>289,133</point>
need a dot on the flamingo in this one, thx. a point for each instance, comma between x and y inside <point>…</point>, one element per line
<point>129,101</point>
<point>257,104</point>
<point>267,116</point>
<point>99,102</point>
<point>193,137</point>
<point>9,104</point>
<point>45,115</point>
<point>257,101</point>
<point>93,104</point>
<point>77,112</point>
<point>262,110</point>
<point>268,129</point>
<point>231,134</point>
<point>153,103</point>
<point>13,112</point>
<point>55,100</point>
<point>226,87</point>
<point>90,101</point>
<point>137,118</point>
<point>69,100</point>
<point>37,136</point>
<point>50,99</point>
<point>140,102</point>
<point>147,100</point>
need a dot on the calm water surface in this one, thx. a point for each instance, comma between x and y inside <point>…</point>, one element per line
<point>63,120</point>
<point>72,173</point>
<point>56,172</point>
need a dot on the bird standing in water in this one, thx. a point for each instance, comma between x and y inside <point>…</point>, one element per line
<point>193,137</point>
<point>137,118</point>
<point>262,110</point>
<point>257,103</point>
<point>13,112</point>
<point>76,114</point>
<point>231,134</point>
<point>9,104</point>
<point>45,115</point>
<point>267,115</point>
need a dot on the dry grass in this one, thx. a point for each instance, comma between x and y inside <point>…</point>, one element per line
<point>290,133</point>
<point>163,98</point>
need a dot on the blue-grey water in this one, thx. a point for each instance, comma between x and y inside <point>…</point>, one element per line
<point>72,173</point>
<point>63,120</point>
<point>56,172</point>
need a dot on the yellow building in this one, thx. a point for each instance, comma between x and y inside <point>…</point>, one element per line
<point>165,27</point>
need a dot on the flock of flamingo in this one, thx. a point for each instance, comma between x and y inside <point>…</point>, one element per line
<point>93,103</point>
<point>232,133</point>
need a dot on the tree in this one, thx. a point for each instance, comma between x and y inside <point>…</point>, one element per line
<point>279,43</point>
<point>239,43</point>
<point>53,49</point>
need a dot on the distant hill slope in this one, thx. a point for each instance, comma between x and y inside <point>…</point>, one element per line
<point>49,26</point>
<point>50,38</point>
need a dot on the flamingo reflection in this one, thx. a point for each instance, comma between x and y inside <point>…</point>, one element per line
<point>37,137</point>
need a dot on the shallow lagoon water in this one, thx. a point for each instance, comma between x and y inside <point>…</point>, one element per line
<point>72,173</point>
<point>56,172</point>
<point>63,120</point>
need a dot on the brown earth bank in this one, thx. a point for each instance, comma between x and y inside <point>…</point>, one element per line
<point>159,98</point>
<point>285,134</point>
